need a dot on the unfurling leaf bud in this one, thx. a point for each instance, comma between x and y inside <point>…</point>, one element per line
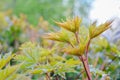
<point>72,51</point>
<point>95,31</point>
<point>71,24</point>
<point>61,36</point>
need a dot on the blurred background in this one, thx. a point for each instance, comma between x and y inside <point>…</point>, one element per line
<point>27,20</point>
<point>34,11</point>
<point>100,10</point>
<point>48,9</point>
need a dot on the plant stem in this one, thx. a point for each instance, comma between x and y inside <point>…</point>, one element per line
<point>86,67</point>
<point>47,76</point>
<point>86,51</point>
<point>77,38</point>
<point>79,74</point>
<point>87,47</point>
<point>71,44</point>
<point>83,58</point>
<point>56,78</point>
<point>104,65</point>
<point>110,62</point>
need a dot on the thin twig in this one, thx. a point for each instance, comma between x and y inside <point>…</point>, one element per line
<point>71,44</point>
<point>112,61</point>
<point>96,62</point>
<point>56,78</point>
<point>104,65</point>
<point>86,67</point>
<point>87,47</point>
<point>84,59</point>
<point>86,52</point>
<point>79,74</point>
<point>77,38</point>
<point>47,76</point>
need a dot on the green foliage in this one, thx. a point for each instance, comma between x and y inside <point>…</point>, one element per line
<point>7,71</point>
<point>81,48</point>
<point>5,60</point>
<point>40,58</point>
<point>43,8</point>
<point>95,31</point>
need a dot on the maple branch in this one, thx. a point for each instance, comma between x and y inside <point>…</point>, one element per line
<point>87,47</point>
<point>84,59</point>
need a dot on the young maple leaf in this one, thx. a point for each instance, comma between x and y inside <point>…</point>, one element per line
<point>72,51</point>
<point>77,51</point>
<point>71,24</point>
<point>95,31</point>
<point>61,36</point>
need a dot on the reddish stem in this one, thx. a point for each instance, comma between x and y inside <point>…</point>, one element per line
<point>86,51</point>
<point>77,38</point>
<point>85,59</point>
<point>87,47</point>
<point>86,67</point>
<point>56,78</point>
<point>47,76</point>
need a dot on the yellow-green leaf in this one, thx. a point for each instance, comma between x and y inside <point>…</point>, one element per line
<point>61,36</point>
<point>94,30</point>
<point>4,61</point>
<point>71,24</point>
<point>8,71</point>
